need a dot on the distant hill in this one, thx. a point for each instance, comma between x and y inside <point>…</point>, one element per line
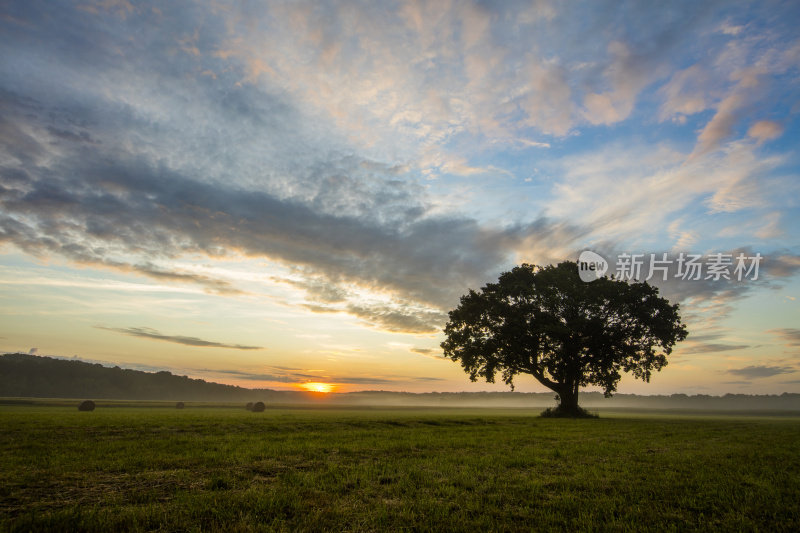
<point>31,376</point>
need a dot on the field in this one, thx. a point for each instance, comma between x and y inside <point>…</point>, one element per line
<point>322,469</point>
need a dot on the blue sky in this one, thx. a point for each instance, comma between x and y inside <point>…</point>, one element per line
<point>271,193</point>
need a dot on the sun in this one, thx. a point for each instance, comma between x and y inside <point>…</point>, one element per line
<point>316,386</point>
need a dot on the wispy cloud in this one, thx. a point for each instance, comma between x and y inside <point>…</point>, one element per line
<point>758,371</point>
<point>150,333</point>
<point>289,375</point>
<point>701,347</point>
<point>790,336</point>
<point>429,353</point>
<point>283,375</point>
<point>686,93</point>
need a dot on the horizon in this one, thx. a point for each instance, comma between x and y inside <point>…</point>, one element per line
<point>294,195</point>
<point>321,394</point>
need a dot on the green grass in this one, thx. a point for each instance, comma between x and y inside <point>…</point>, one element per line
<point>403,469</point>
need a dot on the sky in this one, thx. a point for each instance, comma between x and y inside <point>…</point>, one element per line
<point>274,193</point>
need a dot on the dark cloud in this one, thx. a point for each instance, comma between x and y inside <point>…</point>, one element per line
<point>782,266</point>
<point>398,319</point>
<point>211,284</point>
<point>97,205</point>
<point>705,337</point>
<point>318,290</point>
<point>288,375</point>
<point>279,377</point>
<point>761,371</point>
<point>394,318</point>
<point>358,380</point>
<point>711,348</point>
<point>150,333</point>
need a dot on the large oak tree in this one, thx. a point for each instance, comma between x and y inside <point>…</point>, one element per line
<point>565,332</point>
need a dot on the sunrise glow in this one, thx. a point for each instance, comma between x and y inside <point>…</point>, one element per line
<point>317,387</point>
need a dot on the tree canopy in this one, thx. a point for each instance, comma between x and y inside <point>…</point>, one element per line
<point>566,333</point>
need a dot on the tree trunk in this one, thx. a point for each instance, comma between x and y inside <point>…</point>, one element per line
<point>569,400</point>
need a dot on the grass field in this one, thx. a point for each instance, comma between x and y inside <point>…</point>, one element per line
<point>208,469</point>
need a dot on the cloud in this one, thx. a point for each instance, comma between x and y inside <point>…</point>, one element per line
<point>284,375</point>
<point>720,127</point>
<point>283,190</point>
<point>152,271</point>
<point>296,375</point>
<point>99,209</point>
<point>782,265</point>
<point>602,191</point>
<point>695,348</point>
<point>754,372</point>
<point>754,65</point>
<point>430,353</point>
<point>728,29</point>
<point>637,59</point>
<point>534,144</point>
<point>185,216</point>
<point>150,333</point>
<point>397,319</point>
<point>765,130</point>
<point>547,101</point>
<point>322,309</point>
<point>628,74</point>
<point>318,289</point>
<point>790,336</point>
<point>685,94</point>
<point>771,227</point>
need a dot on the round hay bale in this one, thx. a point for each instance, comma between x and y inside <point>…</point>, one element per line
<point>258,407</point>
<point>179,405</point>
<point>249,406</point>
<point>86,405</point>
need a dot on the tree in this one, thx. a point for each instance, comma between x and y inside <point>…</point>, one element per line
<point>566,333</point>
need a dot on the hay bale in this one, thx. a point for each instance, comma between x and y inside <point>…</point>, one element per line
<point>86,405</point>
<point>179,405</point>
<point>259,407</point>
<point>249,406</point>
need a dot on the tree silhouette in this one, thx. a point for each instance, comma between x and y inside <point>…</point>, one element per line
<point>566,333</point>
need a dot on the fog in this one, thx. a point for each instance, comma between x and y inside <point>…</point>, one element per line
<point>589,400</point>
